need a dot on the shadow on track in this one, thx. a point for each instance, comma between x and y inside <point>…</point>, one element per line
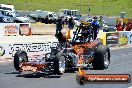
<point>31,75</point>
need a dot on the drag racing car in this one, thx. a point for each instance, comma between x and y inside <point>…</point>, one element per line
<point>80,51</point>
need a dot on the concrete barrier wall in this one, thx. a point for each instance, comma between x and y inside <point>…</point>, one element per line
<point>10,44</point>
<point>45,28</point>
<point>14,29</point>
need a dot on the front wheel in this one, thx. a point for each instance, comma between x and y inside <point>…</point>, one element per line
<point>20,57</point>
<point>66,62</point>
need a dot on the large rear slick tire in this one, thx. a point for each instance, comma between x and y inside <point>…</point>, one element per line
<point>102,58</point>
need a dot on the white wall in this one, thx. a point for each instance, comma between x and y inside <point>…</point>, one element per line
<point>28,43</point>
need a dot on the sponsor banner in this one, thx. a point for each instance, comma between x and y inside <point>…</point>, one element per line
<point>27,43</point>
<point>14,28</point>
<point>125,38</point>
<point>25,29</point>
<point>115,38</point>
<point>104,79</point>
<point>9,29</point>
<point>112,38</point>
<point>82,78</point>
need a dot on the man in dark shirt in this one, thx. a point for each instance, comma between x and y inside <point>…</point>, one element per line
<point>46,20</point>
<point>66,20</point>
<point>71,23</point>
<point>59,24</point>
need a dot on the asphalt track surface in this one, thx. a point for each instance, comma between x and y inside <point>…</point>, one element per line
<point>121,63</point>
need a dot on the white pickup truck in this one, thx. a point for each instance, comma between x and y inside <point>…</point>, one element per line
<point>8,11</point>
<point>41,16</point>
<point>69,13</point>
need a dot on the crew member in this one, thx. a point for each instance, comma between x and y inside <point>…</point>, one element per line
<point>59,25</point>
<point>46,20</point>
<point>95,25</point>
<point>71,23</point>
<point>66,20</point>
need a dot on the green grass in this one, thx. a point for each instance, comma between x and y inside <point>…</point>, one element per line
<point>98,7</point>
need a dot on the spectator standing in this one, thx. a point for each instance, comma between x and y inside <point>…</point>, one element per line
<point>95,26</point>
<point>129,25</point>
<point>120,25</point>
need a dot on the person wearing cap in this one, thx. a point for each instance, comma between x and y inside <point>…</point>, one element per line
<point>95,26</point>
<point>128,25</point>
<point>120,25</point>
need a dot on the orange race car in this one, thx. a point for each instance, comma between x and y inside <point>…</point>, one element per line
<point>68,55</point>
